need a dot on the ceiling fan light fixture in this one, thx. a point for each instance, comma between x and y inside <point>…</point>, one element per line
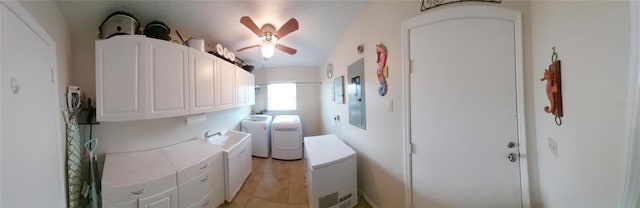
<point>268,50</point>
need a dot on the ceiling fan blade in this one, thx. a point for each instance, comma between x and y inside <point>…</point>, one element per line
<point>288,27</point>
<point>248,47</point>
<point>248,22</point>
<point>286,49</point>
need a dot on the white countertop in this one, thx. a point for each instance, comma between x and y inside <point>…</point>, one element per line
<point>191,152</point>
<point>135,168</point>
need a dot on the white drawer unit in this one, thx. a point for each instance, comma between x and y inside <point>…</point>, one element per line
<point>139,179</point>
<point>204,202</point>
<point>331,172</point>
<point>189,174</point>
<point>200,173</point>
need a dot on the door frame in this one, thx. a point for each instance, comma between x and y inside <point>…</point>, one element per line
<point>453,13</point>
<point>22,13</point>
<point>631,189</point>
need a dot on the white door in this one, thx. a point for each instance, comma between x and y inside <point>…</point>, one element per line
<point>227,81</point>
<point>242,78</point>
<point>30,143</point>
<point>168,73</point>
<point>463,107</point>
<point>203,84</point>
<point>166,199</point>
<point>120,79</point>
<point>286,138</point>
<point>251,85</point>
<point>234,173</point>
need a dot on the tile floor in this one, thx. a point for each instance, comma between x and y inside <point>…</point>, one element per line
<point>275,183</point>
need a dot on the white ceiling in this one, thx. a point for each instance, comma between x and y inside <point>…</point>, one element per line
<point>321,23</point>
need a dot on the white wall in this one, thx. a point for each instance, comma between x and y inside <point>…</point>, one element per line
<point>46,13</point>
<point>307,94</point>
<point>592,41</point>
<point>380,147</point>
<point>150,134</point>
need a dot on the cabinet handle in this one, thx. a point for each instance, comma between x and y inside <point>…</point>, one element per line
<point>204,166</point>
<point>205,204</point>
<point>139,191</point>
<point>204,179</point>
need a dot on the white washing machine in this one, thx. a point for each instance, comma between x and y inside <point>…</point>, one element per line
<point>286,137</point>
<point>259,126</point>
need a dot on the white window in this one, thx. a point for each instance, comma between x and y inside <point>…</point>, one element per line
<point>281,97</point>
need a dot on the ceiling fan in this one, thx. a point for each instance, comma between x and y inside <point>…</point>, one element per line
<point>269,35</point>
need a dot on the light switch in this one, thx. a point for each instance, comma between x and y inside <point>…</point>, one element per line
<point>390,105</point>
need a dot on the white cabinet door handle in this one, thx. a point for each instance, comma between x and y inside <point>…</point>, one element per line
<point>205,204</point>
<point>139,191</point>
<point>204,179</point>
<point>204,166</point>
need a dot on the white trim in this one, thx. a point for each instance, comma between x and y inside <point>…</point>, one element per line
<point>406,114</point>
<point>451,13</point>
<point>25,16</point>
<point>0,107</point>
<point>631,191</point>
<point>368,199</point>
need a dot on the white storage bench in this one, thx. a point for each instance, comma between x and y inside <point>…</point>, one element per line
<point>331,172</point>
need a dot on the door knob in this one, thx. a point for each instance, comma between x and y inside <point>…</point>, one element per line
<point>513,157</point>
<point>511,144</point>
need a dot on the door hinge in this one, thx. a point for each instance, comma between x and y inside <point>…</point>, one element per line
<point>51,74</point>
<point>410,66</point>
<point>412,148</point>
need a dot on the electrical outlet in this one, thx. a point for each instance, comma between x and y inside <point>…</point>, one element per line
<point>553,147</point>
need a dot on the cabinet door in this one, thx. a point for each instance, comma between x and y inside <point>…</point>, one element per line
<point>168,76</point>
<point>234,176</point>
<point>203,83</point>
<point>251,87</point>
<point>120,79</point>
<point>246,160</point>
<point>227,80</point>
<point>241,94</point>
<point>166,199</point>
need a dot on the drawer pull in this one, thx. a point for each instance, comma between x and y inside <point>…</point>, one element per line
<point>205,204</point>
<point>204,166</point>
<point>139,191</point>
<point>204,179</point>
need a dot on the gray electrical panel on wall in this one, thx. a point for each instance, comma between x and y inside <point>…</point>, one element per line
<point>355,86</point>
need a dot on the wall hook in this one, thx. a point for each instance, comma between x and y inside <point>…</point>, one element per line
<point>554,88</point>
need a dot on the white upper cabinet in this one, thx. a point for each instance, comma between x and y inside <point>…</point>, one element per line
<point>202,73</point>
<point>140,78</point>
<point>120,78</point>
<point>143,78</point>
<point>251,100</point>
<point>245,87</point>
<point>227,77</point>
<point>169,87</point>
<point>242,77</point>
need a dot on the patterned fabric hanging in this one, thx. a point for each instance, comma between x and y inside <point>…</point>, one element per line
<point>74,148</point>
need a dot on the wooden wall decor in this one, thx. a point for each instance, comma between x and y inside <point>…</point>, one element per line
<point>554,88</point>
<point>428,4</point>
<point>381,51</point>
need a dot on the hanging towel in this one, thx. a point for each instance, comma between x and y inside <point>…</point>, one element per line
<point>74,148</point>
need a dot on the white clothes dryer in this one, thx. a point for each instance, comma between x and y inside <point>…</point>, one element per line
<point>286,137</point>
<point>259,126</point>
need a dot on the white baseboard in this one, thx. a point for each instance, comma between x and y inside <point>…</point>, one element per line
<point>366,198</point>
